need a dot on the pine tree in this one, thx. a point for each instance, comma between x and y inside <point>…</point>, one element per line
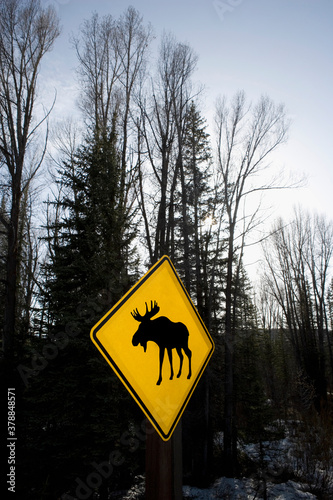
<point>193,203</point>
<point>92,245</point>
<point>78,401</point>
<point>252,410</point>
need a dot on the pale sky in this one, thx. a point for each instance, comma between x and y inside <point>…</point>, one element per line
<point>282,48</point>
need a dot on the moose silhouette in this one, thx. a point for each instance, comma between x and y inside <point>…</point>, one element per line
<point>166,334</point>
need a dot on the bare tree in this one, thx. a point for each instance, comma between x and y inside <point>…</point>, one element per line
<point>27,33</point>
<point>112,57</point>
<point>182,68</point>
<point>297,257</point>
<point>162,128</point>
<point>319,258</point>
<point>132,41</point>
<point>99,69</point>
<point>246,137</point>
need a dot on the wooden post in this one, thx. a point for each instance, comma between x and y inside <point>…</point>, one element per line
<point>164,465</point>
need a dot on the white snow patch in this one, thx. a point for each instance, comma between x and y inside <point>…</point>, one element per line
<point>275,459</point>
<point>248,489</point>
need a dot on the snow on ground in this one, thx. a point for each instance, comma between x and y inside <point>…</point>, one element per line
<point>277,461</point>
<point>247,489</point>
<point>235,489</point>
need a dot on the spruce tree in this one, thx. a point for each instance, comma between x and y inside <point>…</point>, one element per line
<point>252,410</point>
<point>77,401</point>
<point>193,204</point>
<point>195,193</point>
<point>92,246</point>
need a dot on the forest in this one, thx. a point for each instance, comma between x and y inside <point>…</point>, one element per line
<point>137,178</point>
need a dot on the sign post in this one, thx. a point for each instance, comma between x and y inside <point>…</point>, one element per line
<point>157,344</point>
<point>164,466</point>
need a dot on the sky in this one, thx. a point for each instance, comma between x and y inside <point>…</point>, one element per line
<point>279,48</point>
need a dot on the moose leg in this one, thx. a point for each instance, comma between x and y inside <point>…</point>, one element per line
<point>170,360</point>
<point>181,357</point>
<point>188,353</point>
<point>161,364</point>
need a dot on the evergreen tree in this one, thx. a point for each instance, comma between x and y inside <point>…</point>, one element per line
<point>195,192</point>
<point>78,402</point>
<point>91,241</point>
<point>195,252</point>
<point>252,410</point>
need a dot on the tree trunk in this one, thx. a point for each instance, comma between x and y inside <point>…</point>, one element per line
<point>185,226</point>
<point>230,439</point>
<point>10,295</point>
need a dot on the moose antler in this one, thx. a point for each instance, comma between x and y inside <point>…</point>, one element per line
<point>154,309</point>
<point>148,314</point>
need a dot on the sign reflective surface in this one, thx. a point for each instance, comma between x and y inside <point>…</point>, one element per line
<point>156,342</point>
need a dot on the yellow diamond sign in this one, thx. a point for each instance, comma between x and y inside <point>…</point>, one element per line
<point>156,342</point>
